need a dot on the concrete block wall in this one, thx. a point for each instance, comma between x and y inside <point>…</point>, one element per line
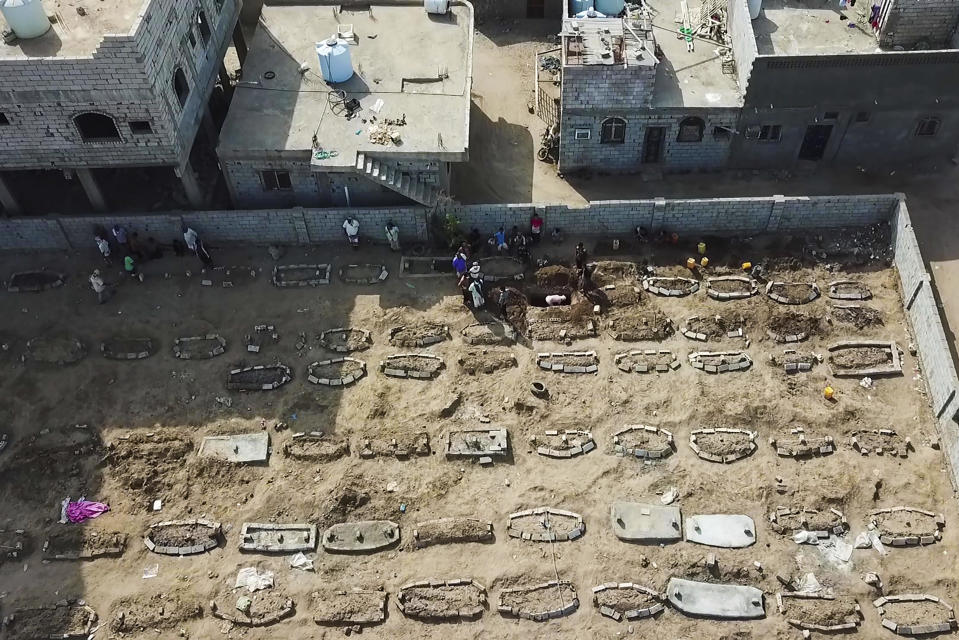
<point>607,87</point>
<point>740,30</point>
<point>245,183</point>
<point>78,232</point>
<point>809,212</point>
<point>930,24</point>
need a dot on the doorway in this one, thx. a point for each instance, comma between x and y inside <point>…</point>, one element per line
<point>535,9</point>
<point>653,144</point>
<point>814,143</point>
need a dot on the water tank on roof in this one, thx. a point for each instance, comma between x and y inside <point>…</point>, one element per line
<point>441,7</point>
<point>335,63</point>
<point>26,18</point>
<point>590,13</point>
<point>577,7</point>
<point>610,7</point>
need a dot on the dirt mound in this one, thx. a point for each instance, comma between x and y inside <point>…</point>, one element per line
<point>860,358</point>
<point>859,316</point>
<point>147,464</point>
<point>792,323</point>
<point>650,326</point>
<point>486,360</point>
<point>555,276</point>
<point>615,271</point>
<point>446,602</point>
<point>716,326</point>
<point>137,614</point>
<point>820,610</point>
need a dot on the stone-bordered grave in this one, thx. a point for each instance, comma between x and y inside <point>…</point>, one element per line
<point>363,273</point>
<point>120,348</point>
<point>710,600</point>
<point>788,520</point>
<point>14,544</point>
<point>849,290</point>
<point>426,267</point>
<point>237,448</point>
<point>199,347</point>
<point>859,358</point>
<point>545,524</point>
<point>646,523</point>
<point>451,531</point>
<point>364,536</point>
<point>399,444</point>
<point>627,600</point>
<point>723,444</point>
<point>716,327</point>
<point>500,268</point>
<point>348,607</point>
<point>720,361</point>
<point>857,315</point>
<point>55,349</point>
<point>792,326</point>
<point>277,538</point>
<point>670,287</point>
<point>345,339</point>
<point>336,372</point>
<point>83,544</point>
<point>487,333</point>
<point>65,620</point>
<point>568,443</point>
<point>822,612</point>
<point>568,361</point>
<point>792,292</point>
<point>800,443</point>
<point>301,275</point>
<point>258,609</point>
<point>646,361</point>
<point>477,443</point>
<point>315,447</point>
<point>424,366</point>
<point>727,531</point>
<point>880,442</point>
<point>647,326</point>
<point>442,600</point>
<point>793,361</point>
<point>183,537</point>
<point>731,287</point>
<point>419,335</point>
<point>261,377</point>
<point>539,602</point>
<point>907,526</point>
<point>643,441</point>
<point>480,360</point>
<point>263,334</point>
<point>34,281</point>
<point>915,614</point>
<point>152,613</point>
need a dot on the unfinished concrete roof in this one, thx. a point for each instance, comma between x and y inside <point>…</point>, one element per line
<point>813,27</point>
<point>77,29</point>
<point>417,64</point>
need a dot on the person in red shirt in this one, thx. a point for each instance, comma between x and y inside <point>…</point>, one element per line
<point>536,227</point>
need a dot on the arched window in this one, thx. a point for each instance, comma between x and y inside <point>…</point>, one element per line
<point>96,127</point>
<point>928,126</point>
<point>691,130</point>
<point>613,131</point>
<point>180,86</point>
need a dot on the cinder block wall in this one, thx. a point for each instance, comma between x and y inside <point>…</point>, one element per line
<point>740,29</point>
<point>931,23</point>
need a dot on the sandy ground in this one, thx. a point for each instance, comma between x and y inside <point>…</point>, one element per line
<point>176,402</point>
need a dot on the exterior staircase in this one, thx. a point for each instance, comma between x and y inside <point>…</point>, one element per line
<point>389,174</point>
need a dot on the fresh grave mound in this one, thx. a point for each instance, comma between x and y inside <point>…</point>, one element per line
<point>413,365</point>
<point>301,275</point>
<point>570,322</point>
<point>345,340</point>
<point>84,543</point>
<point>626,600</point>
<point>809,610</point>
<point>418,335</point>
<point>336,371</point>
<point>793,323</point>
<point>398,444</point>
<point>199,347</point>
<point>916,610</point>
<point>670,287</point>
<point>539,602</point>
<point>545,524</point>
<point>849,290</point>
<point>793,361</point>
<point>121,348</point>
<point>147,464</point>
<point>555,276</point>
<point>356,606</point>
<point>315,447</point>
<point>787,520</point>
<point>486,360</point>
<point>554,443</point>
<point>487,333</point>
<point>731,287</point>
<point>55,349</point>
<point>65,620</point>
<point>879,441</point>
<point>442,600</point>
<point>792,292</point>
<point>74,452</point>
<point>621,295</point>
<point>569,362</point>
<point>33,281</point>
<point>259,377</point>
<point>138,614</point>
<point>851,358</point>
<point>799,442</point>
<point>182,537</point>
<point>723,445</point>
<point>606,272</point>
<point>259,609</point>
<point>859,316</point>
<point>716,327</point>
<point>452,530</point>
<point>861,358</point>
<point>644,361</point>
<point>907,522</point>
<point>720,361</point>
<point>649,326</point>
<point>643,441</point>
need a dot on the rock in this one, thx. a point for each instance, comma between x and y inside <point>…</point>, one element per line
<point>275,252</point>
<point>451,405</point>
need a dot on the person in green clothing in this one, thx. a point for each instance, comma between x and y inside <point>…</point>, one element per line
<point>130,266</point>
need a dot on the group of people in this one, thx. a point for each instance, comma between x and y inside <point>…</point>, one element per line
<point>351,227</point>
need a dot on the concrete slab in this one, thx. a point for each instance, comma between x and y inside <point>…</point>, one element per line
<point>646,523</point>
<point>357,537</point>
<point>276,538</point>
<point>721,530</point>
<point>726,601</point>
<point>241,447</point>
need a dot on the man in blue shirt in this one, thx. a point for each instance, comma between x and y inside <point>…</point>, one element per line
<point>500,237</point>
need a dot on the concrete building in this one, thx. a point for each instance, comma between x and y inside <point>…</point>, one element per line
<point>806,83</point>
<point>385,135</point>
<point>107,104</point>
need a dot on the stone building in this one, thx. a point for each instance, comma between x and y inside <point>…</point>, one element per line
<point>385,135</point>
<point>105,107</point>
<point>805,83</point>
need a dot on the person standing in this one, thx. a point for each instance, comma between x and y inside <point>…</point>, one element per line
<point>459,264</point>
<point>104,246</point>
<point>203,254</point>
<point>352,229</point>
<point>190,237</point>
<point>500,240</point>
<point>130,266</point>
<point>393,235</point>
<point>580,257</point>
<point>536,228</point>
<point>103,291</point>
<point>476,291</point>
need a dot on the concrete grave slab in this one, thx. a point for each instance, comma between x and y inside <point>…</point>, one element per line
<point>474,443</point>
<point>35,281</point>
<point>708,600</point>
<point>349,607</point>
<point>361,537</point>
<point>277,538</point>
<point>241,447</point>
<point>646,523</point>
<point>721,530</point>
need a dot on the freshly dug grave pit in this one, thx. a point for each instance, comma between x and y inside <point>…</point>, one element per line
<point>835,610</point>
<point>355,606</point>
<point>147,464</point>
<point>486,360</point>
<point>84,544</point>
<point>418,335</point>
<point>859,316</point>
<point>451,531</point>
<point>139,614</point>
<point>66,620</point>
<point>447,600</point>
<point>345,340</point>
<point>55,349</point>
<point>536,296</point>
<point>501,268</point>
<point>119,348</point>
<point>316,448</point>
<point>539,602</point>
<point>398,444</point>
<point>266,607</point>
<point>714,327</point>
<point>799,326</point>
<point>555,276</point>
<point>649,326</point>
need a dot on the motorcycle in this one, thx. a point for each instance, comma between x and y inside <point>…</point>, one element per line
<point>549,145</point>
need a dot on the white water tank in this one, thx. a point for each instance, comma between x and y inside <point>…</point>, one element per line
<point>441,7</point>
<point>335,63</point>
<point>27,18</point>
<point>755,7</point>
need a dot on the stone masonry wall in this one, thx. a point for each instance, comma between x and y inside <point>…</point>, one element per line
<point>740,29</point>
<point>928,22</point>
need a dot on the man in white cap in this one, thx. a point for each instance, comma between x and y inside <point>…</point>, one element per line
<point>352,228</point>
<point>99,287</point>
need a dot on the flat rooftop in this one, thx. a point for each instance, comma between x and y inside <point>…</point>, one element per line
<point>417,64</point>
<point>688,78</point>
<point>810,27</point>
<point>79,27</point>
